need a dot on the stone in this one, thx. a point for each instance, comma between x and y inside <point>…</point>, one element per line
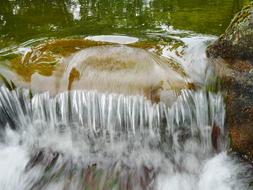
<point>232,57</point>
<point>81,64</point>
<point>237,41</point>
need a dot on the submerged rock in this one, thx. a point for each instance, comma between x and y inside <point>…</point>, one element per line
<point>69,64</point>
<point>232,55</point>
<point>237,41</point>
<point>45,58</point>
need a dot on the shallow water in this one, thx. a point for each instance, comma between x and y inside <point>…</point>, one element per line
<point>22,20</point>
<point>109,133</point>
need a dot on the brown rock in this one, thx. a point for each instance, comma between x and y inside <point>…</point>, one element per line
<point>215,136</point>
<point>232,56</point>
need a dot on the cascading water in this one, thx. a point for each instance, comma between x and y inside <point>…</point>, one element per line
<point>90,140</point>
<point>114,112</point>
<point>104,141</point>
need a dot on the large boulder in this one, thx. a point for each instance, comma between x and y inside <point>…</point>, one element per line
<point>81,64</point>
<point>232,55</point>
<point>239,87</point>
<point>237,42</point>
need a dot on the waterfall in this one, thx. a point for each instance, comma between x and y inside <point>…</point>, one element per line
<point>113,115</point>
<point>92,140</point>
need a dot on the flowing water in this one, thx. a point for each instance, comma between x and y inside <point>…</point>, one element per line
<point>89,140</point>
<point>109,132</point>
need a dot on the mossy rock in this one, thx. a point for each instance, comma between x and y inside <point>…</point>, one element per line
<point>237,85</point>
<point>232,56</point>
<point>69,64</point>
<point>237,41</point>
<point>46,57</point>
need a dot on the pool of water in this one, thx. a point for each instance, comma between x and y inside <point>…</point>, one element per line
<point>22,20</point>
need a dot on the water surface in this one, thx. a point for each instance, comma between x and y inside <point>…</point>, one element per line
<point>22,20</point>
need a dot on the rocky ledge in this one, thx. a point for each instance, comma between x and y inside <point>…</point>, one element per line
<point>232,55</point>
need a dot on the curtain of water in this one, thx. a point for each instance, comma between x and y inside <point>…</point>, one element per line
<point>90,140</point>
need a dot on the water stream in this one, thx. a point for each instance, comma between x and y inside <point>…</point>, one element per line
<point>93,139</point>
<point>90,140</point>
<point>109,132</point>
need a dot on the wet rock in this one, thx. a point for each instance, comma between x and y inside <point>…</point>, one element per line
<point>239,88</point>
<point>215,135</point>
<point>237,41</point>
<point>46,57</point>
<point>80,64</point>
<point>232,56</point>
<point>121,69</point>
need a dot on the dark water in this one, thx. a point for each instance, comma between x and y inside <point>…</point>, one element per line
<point>22,20</point>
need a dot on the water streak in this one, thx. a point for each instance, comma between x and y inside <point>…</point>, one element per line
<point>91,140</point>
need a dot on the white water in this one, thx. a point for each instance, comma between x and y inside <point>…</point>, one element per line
<point>193,57</point>
<point>89,140</point>
<point>113,39</point>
